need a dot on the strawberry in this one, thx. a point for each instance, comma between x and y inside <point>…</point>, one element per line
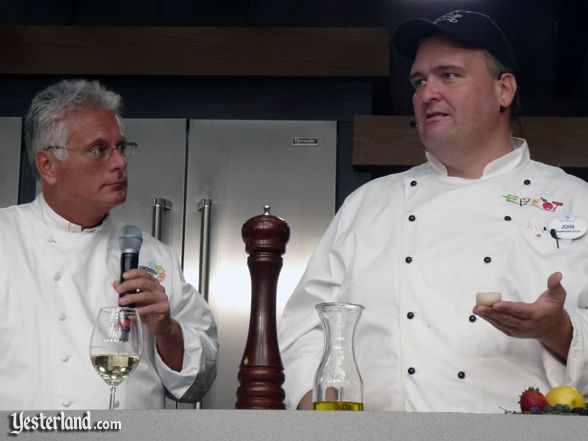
<point>532,397</point>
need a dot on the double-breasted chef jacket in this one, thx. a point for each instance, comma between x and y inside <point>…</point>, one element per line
<point>414,248</point>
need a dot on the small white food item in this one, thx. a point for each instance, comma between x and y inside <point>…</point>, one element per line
<point>487,298</point>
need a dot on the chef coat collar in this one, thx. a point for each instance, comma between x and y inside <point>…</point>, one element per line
<point>518,155</point>
<point>54,220</point>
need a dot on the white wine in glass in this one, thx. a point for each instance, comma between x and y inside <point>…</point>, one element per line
<point>116,345</point>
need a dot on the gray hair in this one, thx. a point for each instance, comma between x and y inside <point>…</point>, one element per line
<point>496,69</point>
<point>45,124</point>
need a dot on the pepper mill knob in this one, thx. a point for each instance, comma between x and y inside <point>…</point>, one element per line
<point>266,233</point>
<point>261,373</point>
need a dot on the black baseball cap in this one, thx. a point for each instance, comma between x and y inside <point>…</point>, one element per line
<point>470,27</point>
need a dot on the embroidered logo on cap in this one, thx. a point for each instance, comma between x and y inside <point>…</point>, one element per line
<point>538,202</point>
<point>451,17</point>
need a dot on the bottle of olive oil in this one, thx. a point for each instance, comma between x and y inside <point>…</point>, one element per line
<point>337,405</point>
<point>337,382</point>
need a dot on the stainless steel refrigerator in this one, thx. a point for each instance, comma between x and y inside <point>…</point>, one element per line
<point>10,142</point>
<point>207,178</point>
<point>194,183</point>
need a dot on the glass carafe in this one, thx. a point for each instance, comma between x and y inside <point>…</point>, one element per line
<point>337,382</point>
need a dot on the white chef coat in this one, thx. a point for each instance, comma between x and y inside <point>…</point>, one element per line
<point>414,248</point>
<point>54,278</point>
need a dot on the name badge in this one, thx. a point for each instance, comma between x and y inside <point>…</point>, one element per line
<point>568,227</point>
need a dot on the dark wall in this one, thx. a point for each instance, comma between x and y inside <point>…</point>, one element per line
<point>548,37</point>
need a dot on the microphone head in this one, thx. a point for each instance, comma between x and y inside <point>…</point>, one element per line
<point>130,239</point>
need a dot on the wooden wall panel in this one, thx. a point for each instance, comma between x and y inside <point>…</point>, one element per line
<point>559,141</point>
<point>385,141</point>
<point>391,141</point>
<point>190,51</point>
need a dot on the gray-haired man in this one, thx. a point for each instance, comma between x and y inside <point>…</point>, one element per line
<point>59,264</point>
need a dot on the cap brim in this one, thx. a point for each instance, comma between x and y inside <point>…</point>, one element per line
<point>409,34</point>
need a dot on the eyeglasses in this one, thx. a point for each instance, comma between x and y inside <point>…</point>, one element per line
<point>101,152</point>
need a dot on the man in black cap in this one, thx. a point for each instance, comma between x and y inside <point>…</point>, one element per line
<point>479,222</point>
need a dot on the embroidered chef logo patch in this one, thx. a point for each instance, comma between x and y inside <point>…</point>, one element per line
<point>537,202</point>
<point>155,270</point>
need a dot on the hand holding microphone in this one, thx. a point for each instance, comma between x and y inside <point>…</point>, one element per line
<point>150,299</point>
<point>130,241</point>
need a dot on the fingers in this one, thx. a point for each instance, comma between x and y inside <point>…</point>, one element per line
<point>149,298</point>
<point>135,281</point>
<point>512,318</point>
<point>555,290</point>
<point>147,292</point>
<point>507,322</point>
<point>519,310</point>
<point>136,274</point>
<point>541,319</point>
<point>500,326</point>
<point>147,302</point>
<point>554,280</point>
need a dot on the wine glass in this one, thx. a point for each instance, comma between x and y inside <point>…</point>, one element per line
<point>116,345</point>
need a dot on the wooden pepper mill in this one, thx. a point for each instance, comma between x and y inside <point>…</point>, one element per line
<point>261,373</point>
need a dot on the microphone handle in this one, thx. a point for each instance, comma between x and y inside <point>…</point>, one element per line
<point>128,261</point>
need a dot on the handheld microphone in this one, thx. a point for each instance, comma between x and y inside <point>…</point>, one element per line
<point>130,241</point>
<point>413,124</point>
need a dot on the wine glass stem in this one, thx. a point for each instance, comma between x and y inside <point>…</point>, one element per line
<point>112,393</point>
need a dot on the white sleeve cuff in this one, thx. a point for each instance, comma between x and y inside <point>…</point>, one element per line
<point>193,363</point>
<point>577,364</point>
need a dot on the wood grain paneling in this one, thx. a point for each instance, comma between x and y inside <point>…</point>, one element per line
<point>385,141</point>
<point>189,51</point>
<point>390,141</point>
<point>559,141</point>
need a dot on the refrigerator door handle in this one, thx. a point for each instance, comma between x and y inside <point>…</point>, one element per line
<point>204,207</point>
<point>159,205</point>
